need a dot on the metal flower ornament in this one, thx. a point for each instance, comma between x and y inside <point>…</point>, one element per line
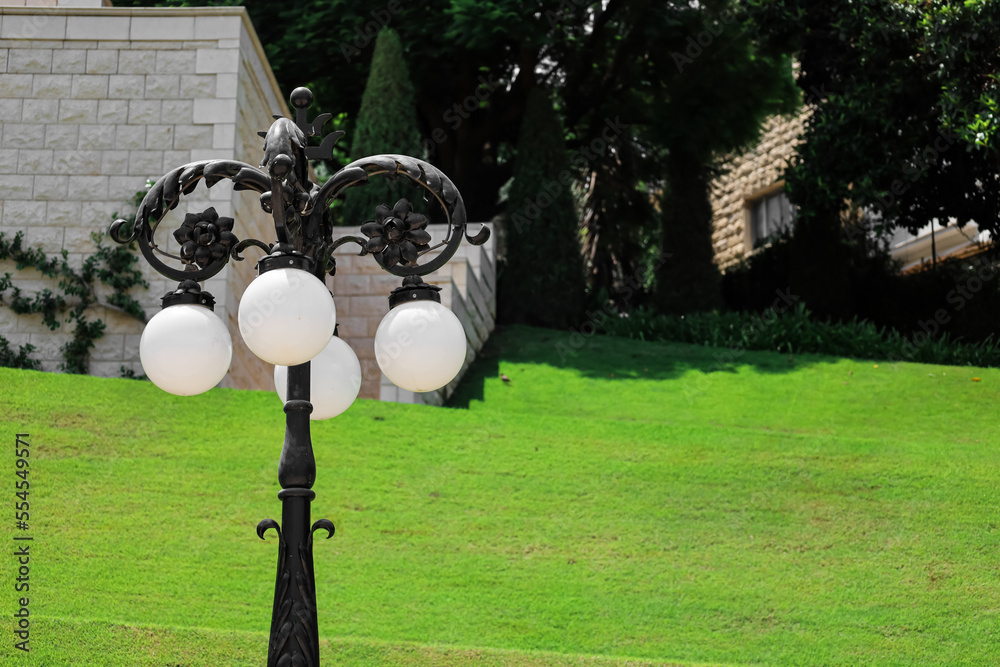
<point>397,233</point>
<point>205,237</point>
<point>287,316</point>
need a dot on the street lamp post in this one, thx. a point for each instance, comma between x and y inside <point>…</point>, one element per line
<point>287,316</point>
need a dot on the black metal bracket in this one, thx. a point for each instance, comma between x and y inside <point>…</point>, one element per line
<point>284,261</point>
<point>188,292</point>
<point>414,289</point>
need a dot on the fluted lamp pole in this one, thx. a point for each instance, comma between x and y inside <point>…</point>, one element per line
<point>287,315</point>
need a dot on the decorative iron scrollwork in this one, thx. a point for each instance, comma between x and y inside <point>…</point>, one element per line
<point>165,195</point>
<point>266,525</point>
<point>302,219</point>
<point>205,237</point>
<point>397,234</point>
<point>294,636</point>
<point>324,524</point>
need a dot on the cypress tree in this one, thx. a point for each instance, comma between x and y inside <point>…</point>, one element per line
<point>542,280</point>
<point>687,279</point>
<point>386,123</point>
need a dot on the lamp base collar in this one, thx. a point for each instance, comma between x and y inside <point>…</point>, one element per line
<point>414,289</point>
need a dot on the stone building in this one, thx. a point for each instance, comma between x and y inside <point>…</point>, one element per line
<point>749,204</point>
<point>748,201</point>
<point>95,100</point>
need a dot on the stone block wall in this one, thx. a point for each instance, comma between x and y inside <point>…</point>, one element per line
<point>55,3</point>
<point>758,172</point>
<point>748,176</point>
<point>94,101</point>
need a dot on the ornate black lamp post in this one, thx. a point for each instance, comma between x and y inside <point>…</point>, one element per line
<point>287,316</point>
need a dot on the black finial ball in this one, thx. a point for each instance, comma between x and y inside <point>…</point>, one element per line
<point>301,98</point>
<point>280,166</point>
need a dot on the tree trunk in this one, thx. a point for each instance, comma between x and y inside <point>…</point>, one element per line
<point>687,279</point>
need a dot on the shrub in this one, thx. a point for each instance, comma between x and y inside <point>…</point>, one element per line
<point>796,331</point>
<point>958,297</point>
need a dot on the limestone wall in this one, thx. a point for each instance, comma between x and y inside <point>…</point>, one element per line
<point>749,175</point>
<point>55,3</point>
<point>94,101</point>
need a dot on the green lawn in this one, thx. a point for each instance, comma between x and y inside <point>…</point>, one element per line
<point>631,504</point>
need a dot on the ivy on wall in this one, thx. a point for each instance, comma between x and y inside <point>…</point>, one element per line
<point>19,359</point>
<point>76,293</point>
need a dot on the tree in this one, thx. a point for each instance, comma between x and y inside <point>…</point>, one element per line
<point>386,123</point>
<point>687,279</point>
<point>904,123</point>
<point>637,82</point>
<point>541,281</point>
<point>702,125</point>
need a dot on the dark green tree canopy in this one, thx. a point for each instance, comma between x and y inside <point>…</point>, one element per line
<point>905,107</point>
<point>637,83</point>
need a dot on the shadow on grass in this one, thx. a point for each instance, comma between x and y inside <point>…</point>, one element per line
<point>611,358</point>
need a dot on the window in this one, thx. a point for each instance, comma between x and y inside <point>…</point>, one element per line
<point>770,214</point>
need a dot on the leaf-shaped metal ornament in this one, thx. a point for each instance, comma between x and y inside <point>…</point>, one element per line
<point>326,525</point>
<point>418,237</point>
<point>183,233</point>
<point>266,525</point>
<point>391,256</point>
<point>401,209</point>
<point>417,221</point>
<point>203,256</point>
<point>376,244</point>
<point>408,252</point>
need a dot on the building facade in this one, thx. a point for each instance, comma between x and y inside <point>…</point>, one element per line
<point>748,200</point>
<point>749,205</point>
<point>95,100</point>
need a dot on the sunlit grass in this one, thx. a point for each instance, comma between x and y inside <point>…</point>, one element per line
<point>625,500</point>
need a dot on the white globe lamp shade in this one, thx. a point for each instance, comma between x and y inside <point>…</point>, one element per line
<point>287,316</point>
<point>334,380</point>
<point>420,345</point>
<point>185,349</point>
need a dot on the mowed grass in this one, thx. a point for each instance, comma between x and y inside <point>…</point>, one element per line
<point>614,503</point>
